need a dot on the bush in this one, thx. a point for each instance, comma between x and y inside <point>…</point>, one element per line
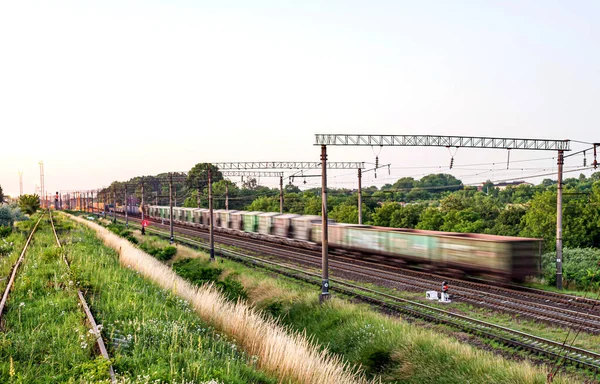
<point>201,272</point>
<point>29,203</point>
<point>162,254</point>
<point>6,216</point>
<point>5,231</point>
<point>580,267</point>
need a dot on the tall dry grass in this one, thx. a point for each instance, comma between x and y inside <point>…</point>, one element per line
<point>289,355</point>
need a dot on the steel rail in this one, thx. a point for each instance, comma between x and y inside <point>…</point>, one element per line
<point>500,333</point>
<point>15,267</point>
<point>88,313</point>
<point>506,299</point>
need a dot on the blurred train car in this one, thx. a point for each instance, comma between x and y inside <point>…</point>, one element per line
<point>498,258</point>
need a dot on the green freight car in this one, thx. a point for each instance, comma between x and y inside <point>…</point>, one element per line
<point>498,257</point>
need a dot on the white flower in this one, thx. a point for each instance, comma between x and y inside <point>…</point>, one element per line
<point>22,304</point>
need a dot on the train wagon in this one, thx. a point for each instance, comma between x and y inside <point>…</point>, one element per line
<point>504,258</point>
<point>283,225</point>
<point>237,220</point>
<point>302,226</point>
<point>251,221</point>
<point>265,222</point>
<point>511,258</point>
<point>197,216</point>
<point>184,215</point>
<point>225,218</point>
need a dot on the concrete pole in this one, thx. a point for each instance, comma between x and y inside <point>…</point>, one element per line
<point>210,214</point>
<point>280,194</point>
<point>324,230</point>
<point>92,195</point>
<point>198,196</point>
<point>114,205</point>
<point>226,195</point>
<point>559,253</point>
<point>171,239</point>
<point>142,203</point>
<point>126,206</point>
<point>359,196</point>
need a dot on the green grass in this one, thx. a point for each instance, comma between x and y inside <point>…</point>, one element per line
<point>386,347</point>
<point>45,338</point>
<point>151,334</point>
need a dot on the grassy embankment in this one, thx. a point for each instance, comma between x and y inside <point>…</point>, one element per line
<point>583,340</point>
<point>152,335</point>
<point>386,347</point>
<point>11,245</point>
<point>288,355</point>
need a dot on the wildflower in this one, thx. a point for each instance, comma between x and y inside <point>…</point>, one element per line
<point>11,372</point>
<point>22,304</point>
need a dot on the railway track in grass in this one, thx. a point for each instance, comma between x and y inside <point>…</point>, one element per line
<point>540,346</point>
<point>15,268</point>
<point>555,308</point>
<point>86,308</point>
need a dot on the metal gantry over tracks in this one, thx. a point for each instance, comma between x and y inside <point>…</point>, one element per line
<point>324,140</point>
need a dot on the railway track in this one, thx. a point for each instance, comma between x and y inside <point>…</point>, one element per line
<point>520,340</point>
<point>81,298</point>
<point>556,309</point>
<point>15,268</point>
<point>86,309</point>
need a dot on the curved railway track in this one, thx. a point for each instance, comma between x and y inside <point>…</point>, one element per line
<point>537,345</point>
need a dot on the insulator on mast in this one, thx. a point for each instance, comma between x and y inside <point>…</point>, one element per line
<point>451,162</point>
<point>584,159</point>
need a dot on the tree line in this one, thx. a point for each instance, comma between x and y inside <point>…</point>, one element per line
<point>435,202</point>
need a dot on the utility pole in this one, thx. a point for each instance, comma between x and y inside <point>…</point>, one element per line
<point>42,184</point>
<point>104,202</point>
<point>359,196</point>
<point>226,195</point>
<point>114,205</point>
<point>142,204</point>
<point>560,162</point>
<point>210,210</point>
<point>198,195</point>
<point>171,239</point>
<point>281,194</point>
<point>20,183</point>
<point>126,208</point>
<point>175,193</point>
<point>324,235</point>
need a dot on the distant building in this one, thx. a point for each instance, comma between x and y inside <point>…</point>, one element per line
<point>503,186</point>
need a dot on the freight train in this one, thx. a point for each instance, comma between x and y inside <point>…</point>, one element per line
<point>497,258</point>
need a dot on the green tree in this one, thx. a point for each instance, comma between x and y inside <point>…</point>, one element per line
<point>432,219</point>
<point>344,213</point>
<point>405,183</point>
<point>264,204</point>
<point>383,215</point>
<point>408,216</point>
<point>29,203</point>
<point>198,175</point>
<point>1,195</point>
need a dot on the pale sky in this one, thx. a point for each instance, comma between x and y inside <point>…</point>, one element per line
<point>107,90</point>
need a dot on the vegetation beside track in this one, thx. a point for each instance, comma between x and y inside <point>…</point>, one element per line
<point>289,356</point>
<point>45,338</point>
<point>151,334</point>
<point>384,346</point>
